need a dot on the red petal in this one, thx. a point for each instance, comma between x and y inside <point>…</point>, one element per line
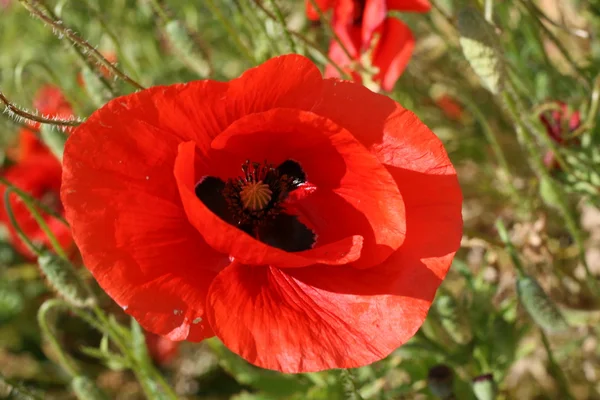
<point>161,350</point>
<point>344,25</point>
<point>409,5</point>
<point>241,246</point>
<point>121,196</point>
<point>417,160</point>
<point>374,14</point>
<point>311,319</point>
<point>324,5</point>
<point>50,101</point>
<point>124,209</point>
<point>354,194</point>
<point>30,145</point>
<point>393,52</point>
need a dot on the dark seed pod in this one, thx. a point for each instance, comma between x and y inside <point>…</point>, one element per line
<point>65,281</point>
<point>539,306</point>
<point>85,389</point>
<point>484,387</point>
<point>481,47</point>
<point>440,381</point>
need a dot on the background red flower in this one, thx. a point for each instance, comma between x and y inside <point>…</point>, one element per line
<point>161,350</point>
<point>50,102</point>
<point>40,176</point>
<point>357,22</point>
<point>374,202</point>
<point>559,123</point>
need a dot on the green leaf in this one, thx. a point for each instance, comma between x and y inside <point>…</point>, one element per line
<point>481,48</point>
<point>86,389</point>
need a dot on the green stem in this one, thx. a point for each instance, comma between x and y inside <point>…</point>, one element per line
<point>66,362</point>
<point>78,51</point>
<point>120,341</point>
<point>548,33</point>
<point>32,200</point>
<point>592,113</point>
<point>542,173</point>
<point>308,43</point>
<point>231,30</point>
<point>75,39</point>
<point>281,20</point>
<point>15,224</point>
<point>556,371</point>
<point>349,385</point>
<point>159,11</point>
<point>18,391</point>
<point>496,148</point>
<point>255,22</point>
<point>573,31</point>
<point>43,226</point>
<point>121,55</point>
<point>32,117</point>
<point>329,28</point>
<point>512,252</point>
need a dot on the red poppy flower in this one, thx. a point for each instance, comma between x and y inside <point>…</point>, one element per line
<point>559,123</point>
<point>451,108</point>
<point>50,102</point>
<point>324,250</point>
<point>356,22</point>
<point>39,175</point>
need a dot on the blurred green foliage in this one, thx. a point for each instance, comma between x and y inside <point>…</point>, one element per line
<point>477,325</point>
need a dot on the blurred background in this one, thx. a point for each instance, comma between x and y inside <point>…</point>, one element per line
<point>511,87</point>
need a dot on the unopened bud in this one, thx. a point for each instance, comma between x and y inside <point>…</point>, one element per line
<point>64,279</point>
<point>539,306</point>
<point>440,381</point>
<point>484,387</point>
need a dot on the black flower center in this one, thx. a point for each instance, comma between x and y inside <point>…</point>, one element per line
<point>253,202</point>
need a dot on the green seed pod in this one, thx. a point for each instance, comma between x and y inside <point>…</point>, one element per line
<point>54,138</point>
<point>481,48</point>
<point>484,387</point>
<point>440,381</point>
<point>449,314</point>
<point>539,306</point>
<point>180,39</point>
<point>11,303</point>
<point>63,278</point>
<point>85,389</point>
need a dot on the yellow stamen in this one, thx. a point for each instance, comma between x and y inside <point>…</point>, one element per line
<point>255,196</point>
